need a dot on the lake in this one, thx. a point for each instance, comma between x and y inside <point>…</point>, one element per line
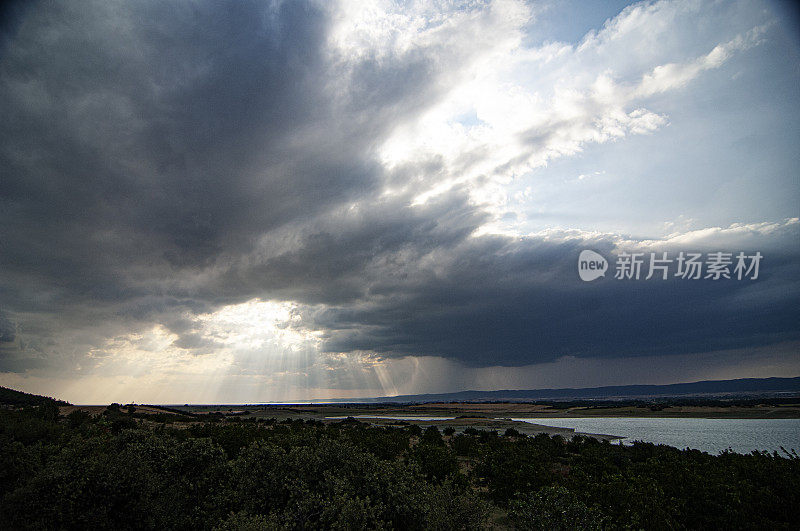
<point>394,417</point>
<point>709,435</point>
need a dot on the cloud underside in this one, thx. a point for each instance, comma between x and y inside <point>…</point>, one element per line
<point>164,164</point>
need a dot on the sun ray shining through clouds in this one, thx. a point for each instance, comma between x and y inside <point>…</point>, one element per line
<point>296,201</point>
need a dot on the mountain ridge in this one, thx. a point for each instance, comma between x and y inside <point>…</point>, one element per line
<point>772,385</point>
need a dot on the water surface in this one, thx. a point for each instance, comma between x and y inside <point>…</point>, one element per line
<point>708,435</point>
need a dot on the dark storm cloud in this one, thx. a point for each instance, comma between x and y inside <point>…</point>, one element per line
<point>509,302</point>
<point>8,329</point>
<point>12,359</point>
<point>160,160</point>
<point>348,255</point>
<point>173,128</point>
<point>144,141</point>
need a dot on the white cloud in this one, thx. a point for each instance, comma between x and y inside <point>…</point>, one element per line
<point>745,236</point>
<point>676,75</point>
<point>524,107</point>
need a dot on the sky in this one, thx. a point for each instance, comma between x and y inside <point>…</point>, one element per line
<point>238,201</point>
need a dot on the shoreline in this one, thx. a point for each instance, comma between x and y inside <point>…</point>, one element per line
<point>499,425</point>
<point>473,411</point>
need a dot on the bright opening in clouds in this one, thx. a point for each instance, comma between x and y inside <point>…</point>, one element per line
<point>276,201</point>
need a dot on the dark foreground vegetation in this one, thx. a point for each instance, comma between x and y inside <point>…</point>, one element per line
<point>121,470</point>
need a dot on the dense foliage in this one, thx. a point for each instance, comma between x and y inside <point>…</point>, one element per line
<point>120,471</point>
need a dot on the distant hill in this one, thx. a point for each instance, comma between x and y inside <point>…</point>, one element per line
<point>743,387</point>
<point>11,397</point>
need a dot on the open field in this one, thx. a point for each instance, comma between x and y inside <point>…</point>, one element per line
<point>476,411</point>
<point>458,416</point>
<point>506,410</point>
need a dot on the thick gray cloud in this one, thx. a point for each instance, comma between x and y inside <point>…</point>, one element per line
<point>145,143</point>
<point>161,160</point>
<point>174,129</point>
<point>506,302</point>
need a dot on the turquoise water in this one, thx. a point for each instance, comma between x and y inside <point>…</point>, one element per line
<point>708,435</point>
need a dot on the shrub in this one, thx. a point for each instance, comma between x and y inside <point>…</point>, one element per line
<point>552,509</point>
